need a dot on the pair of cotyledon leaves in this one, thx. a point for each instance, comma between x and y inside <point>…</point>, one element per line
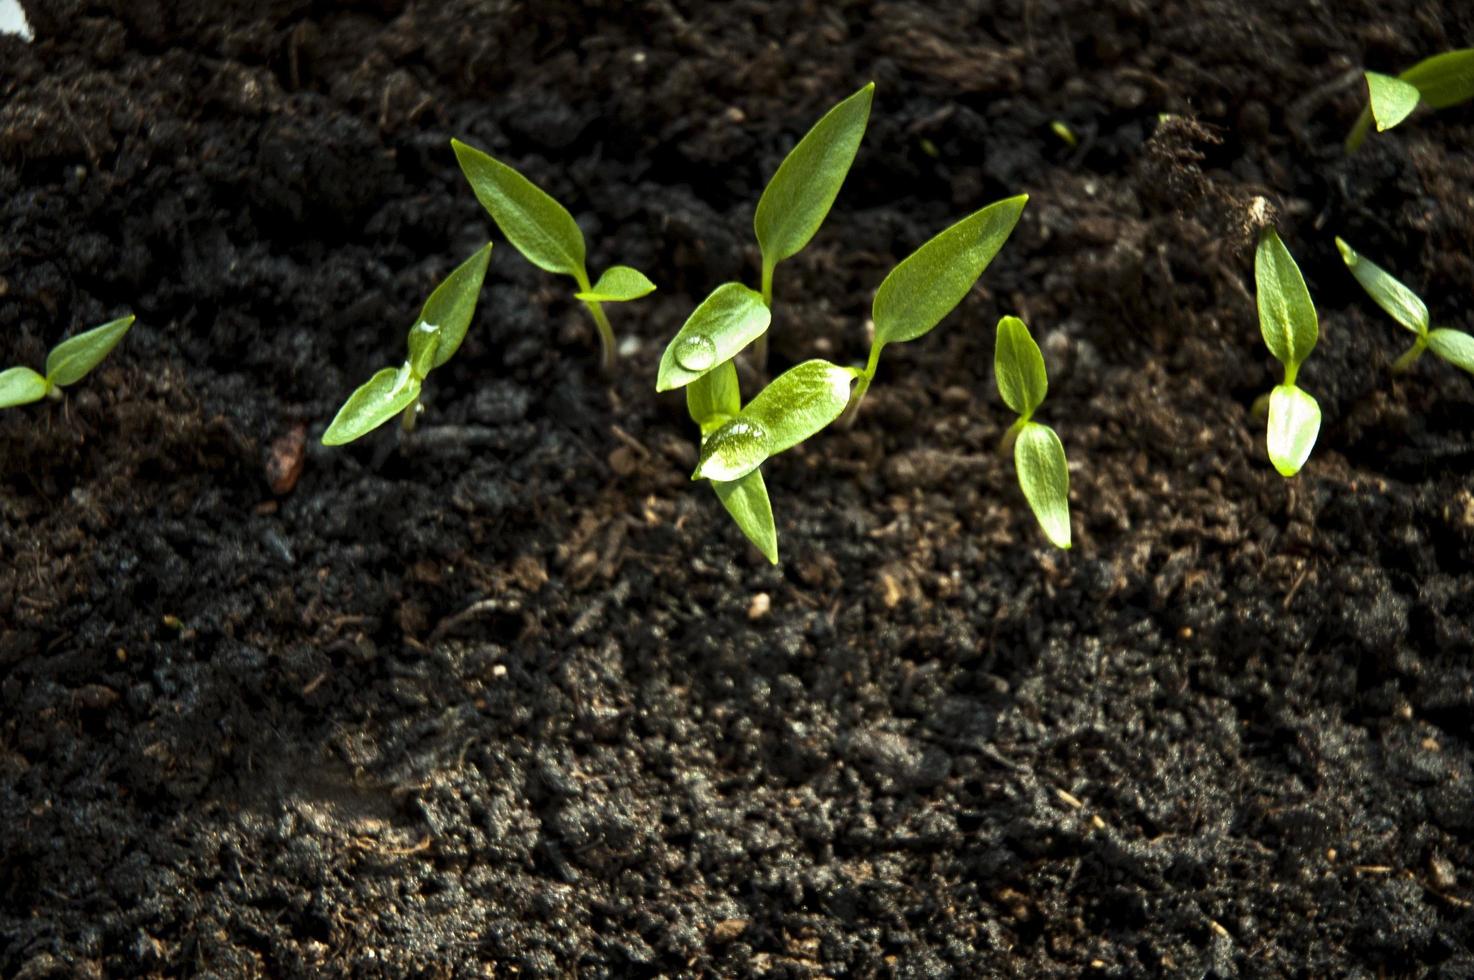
<point>69,362</point>
<point>1439,82</point>
<point>1288,322</point>
<point>1408,309</point>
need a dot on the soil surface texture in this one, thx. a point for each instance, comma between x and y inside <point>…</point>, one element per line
<point>512,696</point>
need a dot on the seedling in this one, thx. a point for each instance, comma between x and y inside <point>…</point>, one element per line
<point>1287,320</point>
<point>1439,82</point>
<point>69,362</point>
<point>1038,455</point>
<point>1404,306</point>
<point>433,340</point>
<point>548,237</point>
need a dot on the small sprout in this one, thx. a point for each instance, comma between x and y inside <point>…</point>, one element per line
<point>712,400</point>
<point>1067,135</point>
<point>1439,82</point>
<point>1038,455</point>
<point>434,338</point>
<point>1288,322</point>
<point>548,237</point>
<point>1405,306</point>
<point>69,362</point>
<point>797,199</point>
<point>732,317</point>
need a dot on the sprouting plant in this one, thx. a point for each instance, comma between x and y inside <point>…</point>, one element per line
<point>433,340</point>
<point>548,237</point>
<point>1440,81</point>
<point>1038,455</point>
<point>1287,320</point>
<point>69,362</point>
<point>1404,306</point>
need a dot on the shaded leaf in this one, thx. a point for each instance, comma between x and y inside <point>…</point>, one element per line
<point>1391,295</point>
<point>1286,315</point>
<point>732,317</point>
<point>746,499</point>
<point>21,386</point>
<point>1019,367</point>
<point>452,305</point>
<point>1454,346</point>
<point>714,397</point>
<point>539,227</point>
<point>70,360</point>
<point>1391,99</point>
<point>795,405</point>
<point>932,280</point>
<point>1294,422</point>
<point>1044,475</point>
<point>1445,79</point>
<point>618,284</point>
<point>381,398</point>
<point>802,191</point>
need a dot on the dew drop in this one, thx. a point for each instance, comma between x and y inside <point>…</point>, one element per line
<point>696,353</point>
<point>734,450</point>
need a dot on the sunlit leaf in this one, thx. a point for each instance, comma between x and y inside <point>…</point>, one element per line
<point>1454,346</point>
<point>381,398</point>
<point>1294,422</point>
<point>452,305</point>
<point>802,191</point>
<point>618,284</point>
<point>746,499</point>
<point>1400,302</point>
<point>539,227</point>
<point>424,342</point>
<point>932,280</point>
<point>732,317</point>
<point>70,360</point>
<point>714,397</point>
<point>1286,315</point>
<point>795,405</point>
<point>21,386</point>
<point>1392,100</point>
<point>1044,475</point>
<point>1019,367</point>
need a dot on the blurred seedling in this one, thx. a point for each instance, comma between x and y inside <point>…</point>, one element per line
<point>1408,309</point>
<point>69,362</point>
<point>1441,81</point>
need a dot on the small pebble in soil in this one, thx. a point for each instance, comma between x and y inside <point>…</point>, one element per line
<point>759,606</point>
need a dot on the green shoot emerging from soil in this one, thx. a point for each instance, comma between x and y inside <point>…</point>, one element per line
<point>1404,306</point>
<point>1288,321</point>
<point>1038,455</point>
<point>548,237</point>
<point>434,338</point>
<point>1439,82</point>
<point>69,362</point>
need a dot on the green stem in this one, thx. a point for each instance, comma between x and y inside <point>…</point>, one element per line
<point>53,391</point>
<point>607,353</point>
<point>1410,356</point>
<point>1260,408</point>
<point>411,414</point>
<point>868,375</point>
<point>1005,445</point>
<point>760,348</point>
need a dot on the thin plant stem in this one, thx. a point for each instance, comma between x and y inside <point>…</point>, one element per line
<point>607,352</point>
<point>1410,356</point>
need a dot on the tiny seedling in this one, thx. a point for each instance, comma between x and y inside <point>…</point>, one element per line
<point>1038,455</point>
<point>1439,82</point>
<point>434,338</point>
<point>69,362</point>
<point>1404,306</point>
<point>548,237</point>
<point>1288,322</point>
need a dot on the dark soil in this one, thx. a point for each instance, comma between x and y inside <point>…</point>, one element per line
<point>513,696</point>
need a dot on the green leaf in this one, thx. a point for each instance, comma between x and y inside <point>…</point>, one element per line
<point>1400,302</point>
<point>714,397</point>
<point>1445,79</point>
<point>746,499</point>
<point>1392,100</point>
<point>452,305</point>
<point>1454,346</point>
<point>618,284</point>
<point>70,360</point>
<point>1044,475</point>
<point>1019,367</point>
<point>539,227</point>
<point>381,398</point>
<point>795,405</point>
<point>932,280</point>
<point>1286,315</point>
<point>424,342</point>
<point>803,190</point>
<point>21,386</point>
<point>1294,422</point>
<point>732,317</point>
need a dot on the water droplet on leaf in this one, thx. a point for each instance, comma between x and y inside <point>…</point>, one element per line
<point>735,450</point>
<point>696,353</point>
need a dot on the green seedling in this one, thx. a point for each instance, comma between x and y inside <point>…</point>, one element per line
<point>1404,306</point>
<point>713,400</point>
<point>1439,82</point>
<point>433,340</point>
<point>1038,455</point>
<point>69,362</point>
<point>1288,322</point>
<point>548,237</point>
